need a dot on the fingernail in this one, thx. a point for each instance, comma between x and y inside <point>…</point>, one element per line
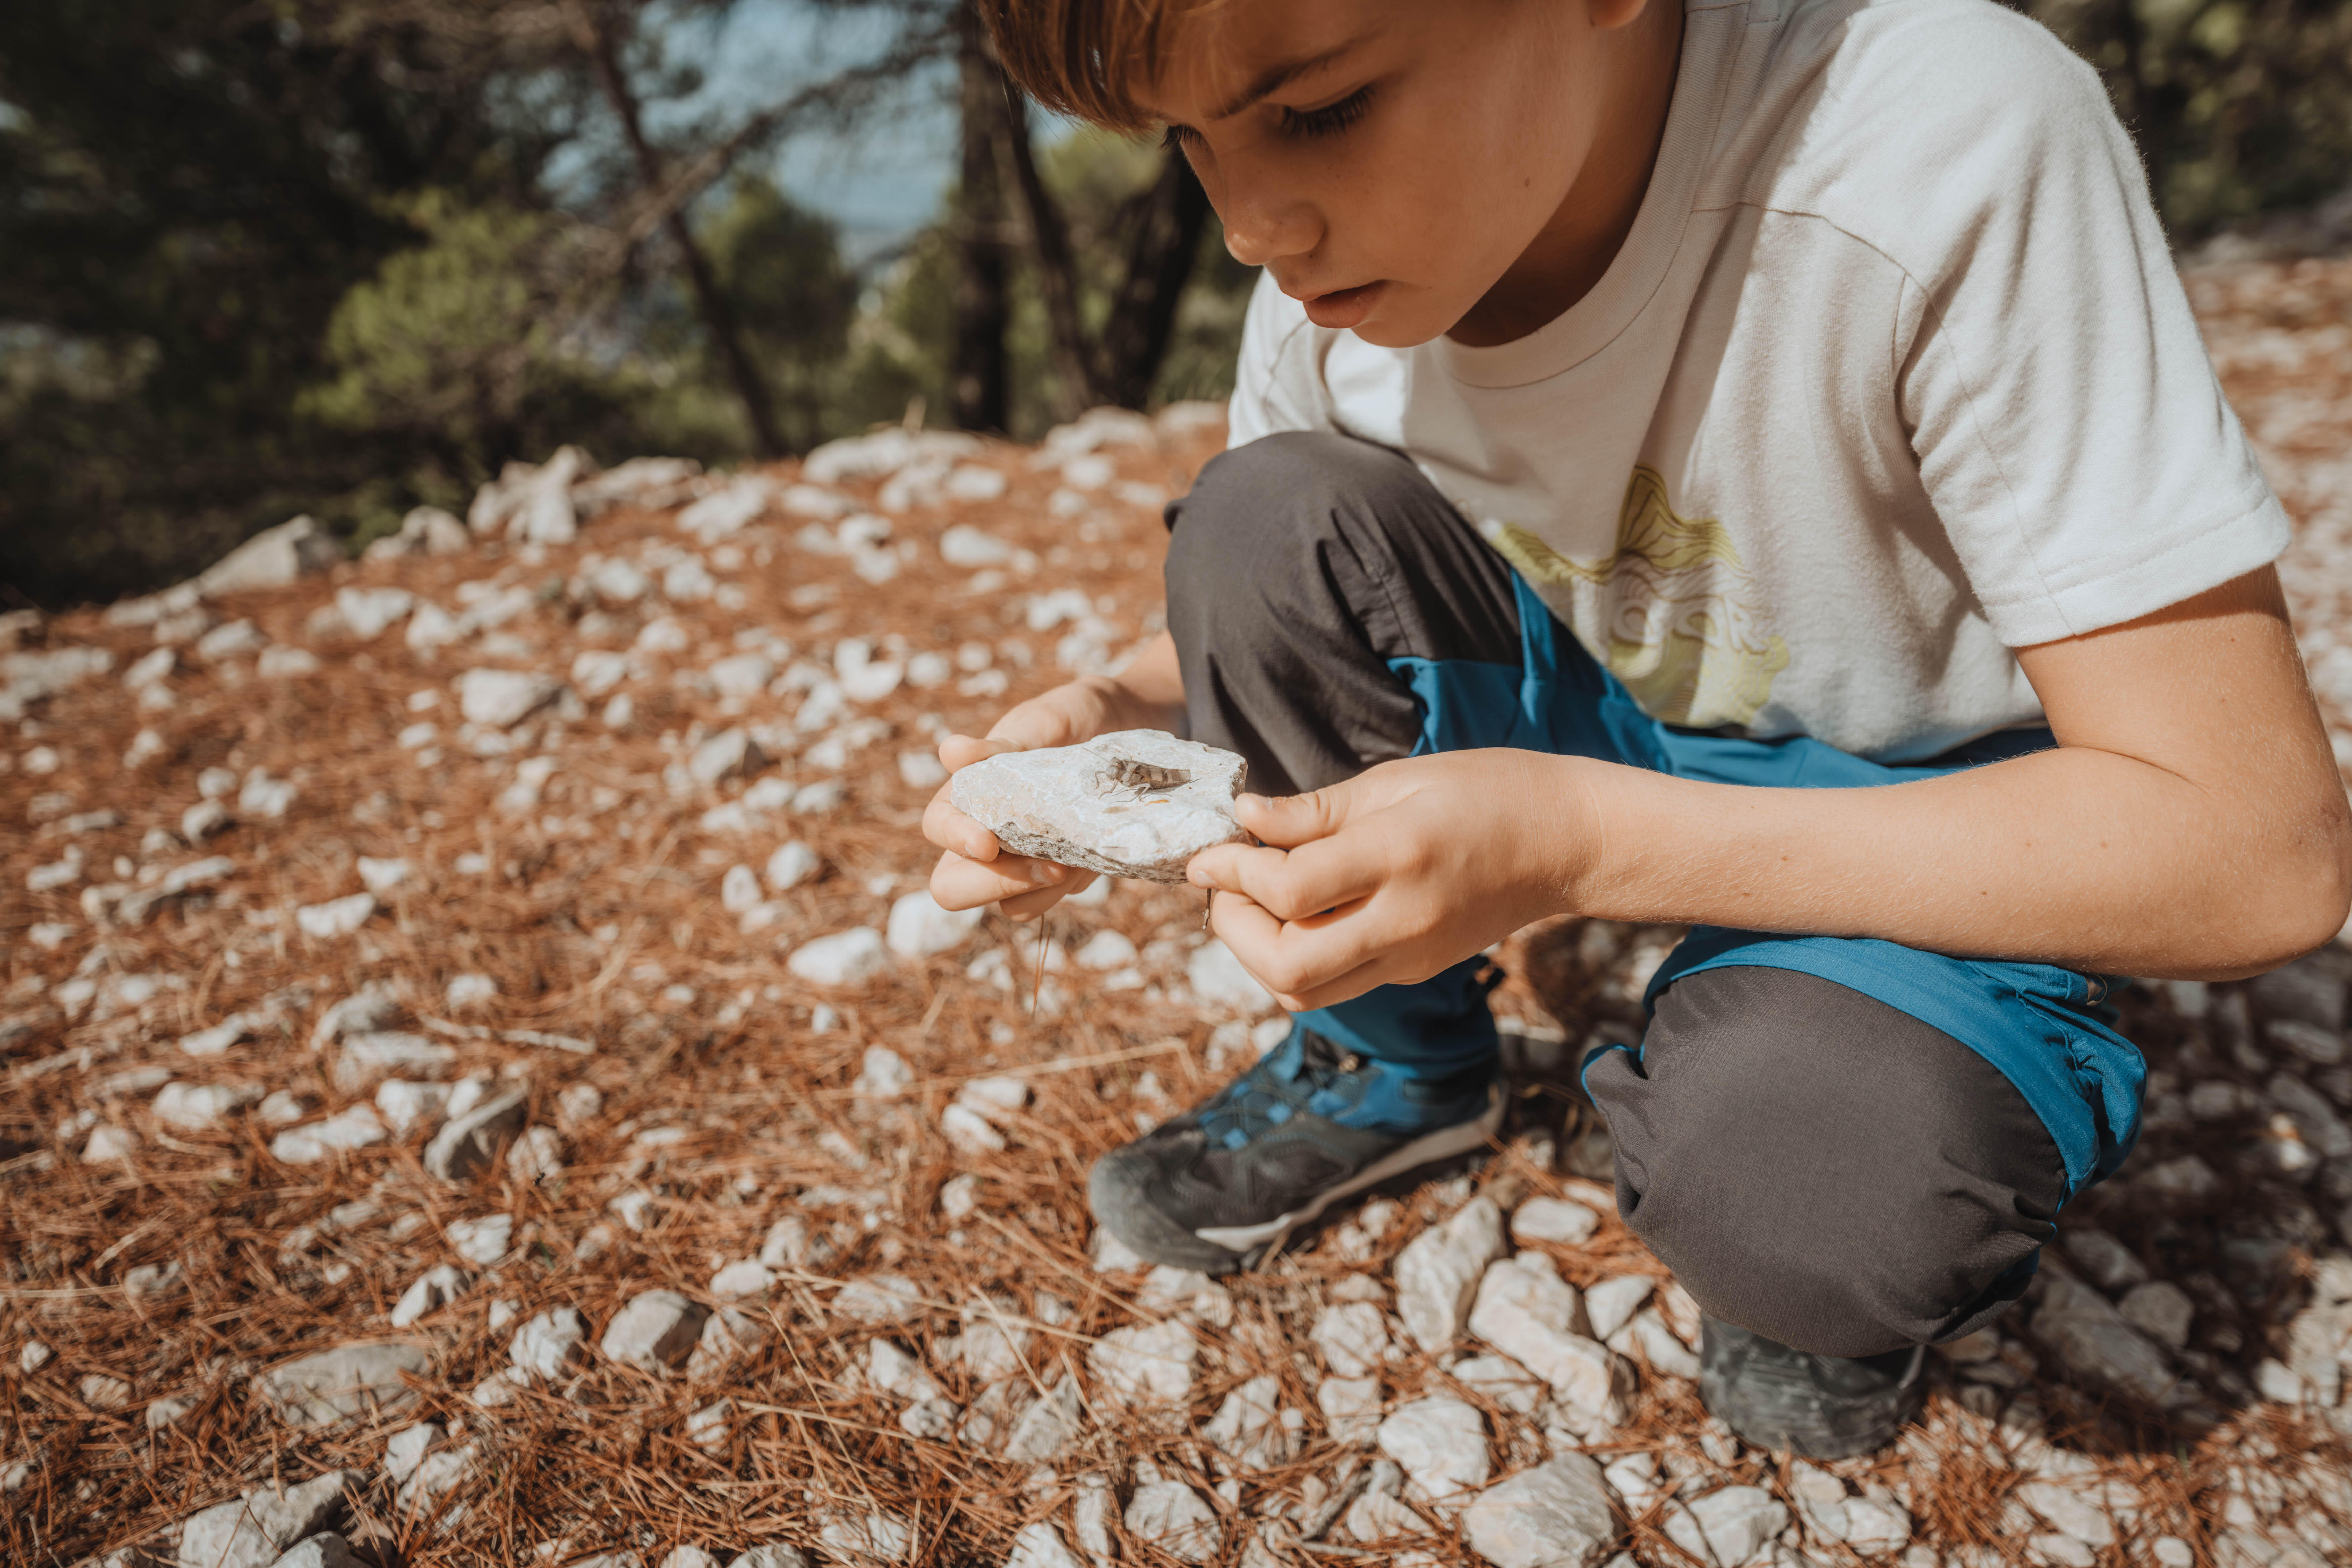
<point>1045,873</point>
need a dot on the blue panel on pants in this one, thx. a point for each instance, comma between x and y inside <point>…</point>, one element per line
<point>2030,1020</point>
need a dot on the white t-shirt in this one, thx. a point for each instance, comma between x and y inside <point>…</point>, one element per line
<point>1892,375</point>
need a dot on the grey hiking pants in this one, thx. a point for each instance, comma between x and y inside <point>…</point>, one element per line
<point>1816,1165</point>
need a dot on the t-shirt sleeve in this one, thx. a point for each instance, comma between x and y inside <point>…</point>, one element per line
<point>2070,430</point>
<point>1277,384</point>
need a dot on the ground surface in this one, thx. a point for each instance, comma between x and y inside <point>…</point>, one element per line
<point>549,909</point>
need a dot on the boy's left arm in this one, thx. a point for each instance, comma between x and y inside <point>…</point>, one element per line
<point>2190,823</point>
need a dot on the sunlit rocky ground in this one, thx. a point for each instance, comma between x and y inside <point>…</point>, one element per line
<point>484,1081</point>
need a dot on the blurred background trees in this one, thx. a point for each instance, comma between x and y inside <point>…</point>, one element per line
<point>259,257</point>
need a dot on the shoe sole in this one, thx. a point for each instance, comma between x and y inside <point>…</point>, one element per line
<point>1220,1249</point>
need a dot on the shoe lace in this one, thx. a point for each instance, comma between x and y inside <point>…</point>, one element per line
<point>1286,1083</point>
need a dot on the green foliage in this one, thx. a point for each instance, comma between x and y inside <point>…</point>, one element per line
<point>782,267</point>
<point>900,343</point>
<point>468,345</point>
<point>187,189</point>
<point>2239,107</point>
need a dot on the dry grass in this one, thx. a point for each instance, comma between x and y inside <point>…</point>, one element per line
<point>597,917</point>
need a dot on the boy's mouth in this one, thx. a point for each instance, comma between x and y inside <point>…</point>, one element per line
<point>1344,306</point>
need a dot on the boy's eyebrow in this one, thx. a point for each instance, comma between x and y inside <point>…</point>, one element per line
<point>1273,78</point>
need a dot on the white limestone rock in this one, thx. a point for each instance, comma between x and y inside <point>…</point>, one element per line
<point>878,1538</point>
<point>1610,1304</point>
<point>1438,1272</point>
<point>790,865</point>
<point>655,1332</point>
<point>482,1241</point>
<point>470,1140</point>
<point>362,1057</point>
<point>1353,1337</point>
<point>879,1299</point>
<point>202,1108</point>
<point>1147,1363</point>
<point>1091,807</point>
<point>743,1278</point>
<point>1528,1313</point>
<point>1556,1515</point>
<point>1248,1428</point>
<point>1175,1519</point>
<point>920,928</point>
<point>727,1336</point>
<point>337,918</point>
<point>775,1554</point>
<point>845,958</point>
<point>252,1531</point>
<point>1048,1426</point>
<point>547,1345</point>
<point>434,1288</point>
<point>1729,1526</point>
<point>1502,1380</point>
<point>1351,1408</point>
<point>369,611</point>
<point>1441,1441</point>
<point>355,1127</point>
<point>1647,1338</point>
<point>272,558</point>
<point>501,699</point>
<point>407,1106</point>
<point>1561,1221</point>
<point>347,1381</point>
<point>1040,1546</point>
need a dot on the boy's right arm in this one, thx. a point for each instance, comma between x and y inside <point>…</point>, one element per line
<point>1148,694</point>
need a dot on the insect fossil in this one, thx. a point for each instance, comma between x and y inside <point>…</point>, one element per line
<point>1143,778</point>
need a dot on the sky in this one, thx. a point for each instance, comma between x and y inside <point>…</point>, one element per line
<point>883,181</point>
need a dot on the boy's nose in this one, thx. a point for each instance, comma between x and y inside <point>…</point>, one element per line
<point>1261,229</point>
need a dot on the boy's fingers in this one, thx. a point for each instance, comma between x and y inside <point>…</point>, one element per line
<point>1290,959</point>
<point>1289,820</point>
<point>960,884</point>
<point>963,751</point>
<point>1293,884</point>
<point>954,832</point>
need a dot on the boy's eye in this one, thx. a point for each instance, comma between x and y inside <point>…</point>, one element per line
<point>1329,120</point>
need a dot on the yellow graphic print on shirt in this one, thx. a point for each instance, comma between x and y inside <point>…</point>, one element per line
<point>1671,611</point>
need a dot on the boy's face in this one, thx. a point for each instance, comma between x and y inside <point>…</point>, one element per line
<point>1391,162</point>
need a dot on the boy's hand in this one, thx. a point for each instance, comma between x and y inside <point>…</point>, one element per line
<point>975,870</point>
<point>1398,872</point>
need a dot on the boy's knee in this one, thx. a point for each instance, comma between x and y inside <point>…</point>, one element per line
<point>1823,1169</point>
<point>1260,514</point>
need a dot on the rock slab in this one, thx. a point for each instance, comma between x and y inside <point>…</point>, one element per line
<point>1438,1272</point>
<point>344,1381</point>
<point>1134,803</point>
<point>1554,1516</point>
<point>655,1332</point>
<point>253,1531</point>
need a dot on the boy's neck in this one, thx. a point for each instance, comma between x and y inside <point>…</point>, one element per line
<point>1575,248</point>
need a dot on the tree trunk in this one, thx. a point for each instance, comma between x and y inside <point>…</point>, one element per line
<point>710,301</point>
<point>979,376</point>
<point>1158,261</point>
<point>1058,270</point>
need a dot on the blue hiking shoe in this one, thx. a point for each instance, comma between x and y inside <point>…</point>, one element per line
<point>1224,1183</point>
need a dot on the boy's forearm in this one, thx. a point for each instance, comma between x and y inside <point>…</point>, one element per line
<point>2076,857</point>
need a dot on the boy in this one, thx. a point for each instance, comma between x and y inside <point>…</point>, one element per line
<point>1742,462</point>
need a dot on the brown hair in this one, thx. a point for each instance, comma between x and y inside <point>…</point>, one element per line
<point>1080,56</point>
